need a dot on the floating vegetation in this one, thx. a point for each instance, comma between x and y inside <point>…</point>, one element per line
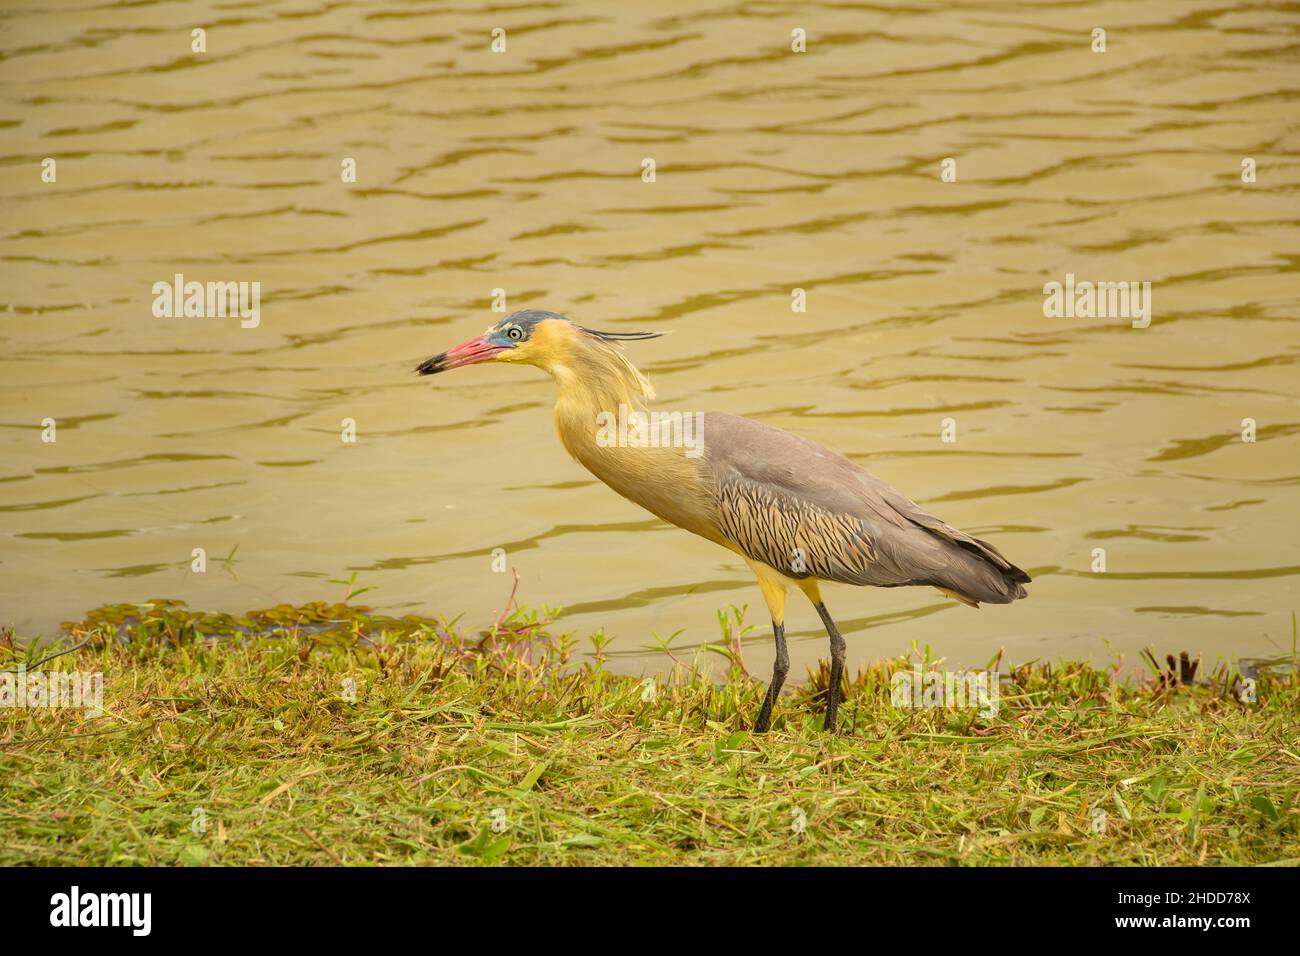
<point>172,623</point>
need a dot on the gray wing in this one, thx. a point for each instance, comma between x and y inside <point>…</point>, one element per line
<point>809,512</point>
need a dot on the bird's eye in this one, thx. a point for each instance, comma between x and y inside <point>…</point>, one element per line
<point>514,333</point>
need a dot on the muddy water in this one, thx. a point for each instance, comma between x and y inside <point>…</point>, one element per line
<point>775,170</point>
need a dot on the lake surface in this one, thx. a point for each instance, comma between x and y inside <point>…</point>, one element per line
<point>775,171</point>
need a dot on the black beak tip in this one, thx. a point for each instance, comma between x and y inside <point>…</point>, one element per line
<point>433,365</point>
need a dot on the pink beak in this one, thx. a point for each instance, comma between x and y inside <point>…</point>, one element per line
<point>469,353</point>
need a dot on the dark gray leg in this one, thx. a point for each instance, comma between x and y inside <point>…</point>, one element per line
<point>779,670</point>
<point>837,668</point>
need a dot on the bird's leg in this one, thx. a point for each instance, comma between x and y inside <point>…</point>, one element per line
<point>779,670</point>
<point>837,667</point>
<point>774,593</point>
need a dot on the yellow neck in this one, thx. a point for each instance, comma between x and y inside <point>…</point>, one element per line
<point>594,382</point>
<point>663,480</point>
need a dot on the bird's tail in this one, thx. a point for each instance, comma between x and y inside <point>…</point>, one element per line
<point>980,574</point>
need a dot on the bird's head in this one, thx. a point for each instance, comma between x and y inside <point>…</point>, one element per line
<point>532,337</point>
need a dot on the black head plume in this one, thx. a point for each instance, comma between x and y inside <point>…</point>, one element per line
<point>617,336</point>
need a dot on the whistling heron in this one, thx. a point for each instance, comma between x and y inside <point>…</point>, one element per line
<point>796,512</point>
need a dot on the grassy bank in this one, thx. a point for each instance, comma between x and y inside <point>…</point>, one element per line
<point>233,741</point>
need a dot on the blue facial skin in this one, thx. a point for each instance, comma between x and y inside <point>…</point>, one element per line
<point>525,322</point>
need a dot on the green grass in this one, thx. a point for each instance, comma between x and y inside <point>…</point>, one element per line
<point>216,749</point>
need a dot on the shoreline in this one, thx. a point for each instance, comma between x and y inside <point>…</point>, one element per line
<point>447,747</point>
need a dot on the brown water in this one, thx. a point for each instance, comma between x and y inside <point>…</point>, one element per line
<point>775,170</point>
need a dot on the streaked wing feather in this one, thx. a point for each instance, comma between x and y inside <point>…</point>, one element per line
<point>784,499</point>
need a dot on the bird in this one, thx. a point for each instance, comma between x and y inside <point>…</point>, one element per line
<point>798,513</point>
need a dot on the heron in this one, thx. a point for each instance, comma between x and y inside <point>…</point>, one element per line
<point>796,512</point>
